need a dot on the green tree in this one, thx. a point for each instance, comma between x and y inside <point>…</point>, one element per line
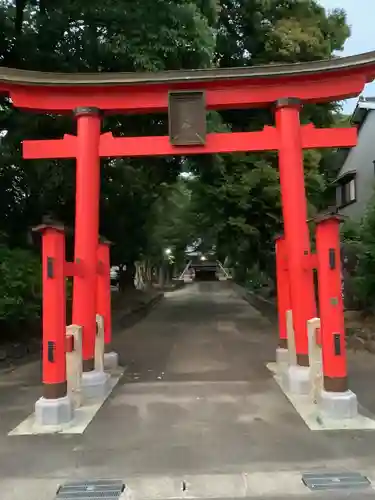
<point>360,240</point>
<point>71,36</point>
<point>239,194</point>
<point>94,36</point>
<point>233,202</point>
<point>20,287</point>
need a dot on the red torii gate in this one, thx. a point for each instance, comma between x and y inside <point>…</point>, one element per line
<point>285,87</point>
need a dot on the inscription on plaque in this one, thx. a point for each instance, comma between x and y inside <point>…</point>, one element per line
<point>187,118</point>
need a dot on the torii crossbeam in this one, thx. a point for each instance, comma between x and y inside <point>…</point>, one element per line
<point>266,140</point>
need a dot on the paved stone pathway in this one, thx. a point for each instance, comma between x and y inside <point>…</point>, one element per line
<point>197,414</point>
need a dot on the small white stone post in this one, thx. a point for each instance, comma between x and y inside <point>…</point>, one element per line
<point>74,366</point>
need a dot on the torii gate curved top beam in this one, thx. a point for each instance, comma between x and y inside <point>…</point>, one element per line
<point>254,86</point>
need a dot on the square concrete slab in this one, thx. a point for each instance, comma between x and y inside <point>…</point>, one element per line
<point>314,419</point>
<point>82,416</point>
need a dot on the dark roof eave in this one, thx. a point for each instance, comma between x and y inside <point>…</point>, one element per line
<point>363,107</point>
<point>350,174</point>
<point>25,77</point>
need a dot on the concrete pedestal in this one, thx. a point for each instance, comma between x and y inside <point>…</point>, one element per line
<point>110,360</point>
<point>53,411</point>
<point>95,384</point>
<point>338,405</point>
<point>282,358</point>
<point>296,379</point>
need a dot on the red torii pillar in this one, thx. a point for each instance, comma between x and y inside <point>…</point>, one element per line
<point>283,299</point>
<point>86,243</point>
<point>336,400</point>
<point>296,235</point>
<point>87,229</point>
<point>104,302</point>
<point>54,407</point>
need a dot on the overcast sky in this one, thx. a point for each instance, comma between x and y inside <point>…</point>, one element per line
<point>362,39</point>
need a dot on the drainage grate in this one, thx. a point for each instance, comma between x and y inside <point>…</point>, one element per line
<point>105,489</point>
<point>335,480</point>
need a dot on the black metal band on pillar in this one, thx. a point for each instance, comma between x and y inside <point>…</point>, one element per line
<point>290,102</point>
<point>86,110</point>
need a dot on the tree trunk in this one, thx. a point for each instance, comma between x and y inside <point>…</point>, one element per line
<point>162,275</point>
<point>18,20</point>
<point>126,277</point>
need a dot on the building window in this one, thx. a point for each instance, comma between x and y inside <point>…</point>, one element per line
<point>346,190</point>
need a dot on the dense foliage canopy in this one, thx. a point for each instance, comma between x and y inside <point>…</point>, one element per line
<point>229,202</point>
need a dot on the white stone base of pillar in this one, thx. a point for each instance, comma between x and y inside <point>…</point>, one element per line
<point>53,411</point>
<point>282,358</point>
<point>338,405</point>
<point>296,379</point>
<point>110,360</point>
<point>95,384</point>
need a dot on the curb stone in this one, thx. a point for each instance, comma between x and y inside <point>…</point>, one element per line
<point>265,306</point>
<point>129,318</point>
